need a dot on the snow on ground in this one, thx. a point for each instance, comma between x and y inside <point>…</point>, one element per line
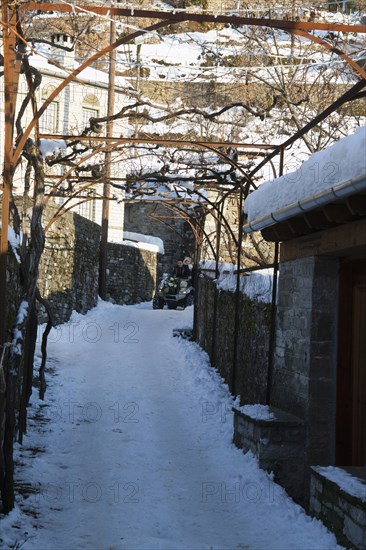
<point>132,449</point>
<point>142,245</point>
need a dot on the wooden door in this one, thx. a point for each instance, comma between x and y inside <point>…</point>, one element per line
<point>351,372</point>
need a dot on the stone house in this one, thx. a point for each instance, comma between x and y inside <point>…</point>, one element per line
<point>69,114</point>
<point>318,215</point>
<point>156,220</point>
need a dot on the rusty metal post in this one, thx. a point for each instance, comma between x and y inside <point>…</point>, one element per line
<point>103,253</point>
<point>8,400</point>
<point>237,292</point>
<point>217,273</point>
<point>11,76</point>
<point>272,334</point>
<point>196,282</point>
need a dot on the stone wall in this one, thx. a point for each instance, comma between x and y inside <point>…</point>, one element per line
<point>132,274</point>
<point>252,347</point>
<point>277,443</point>
<point>304,378</point>
<point>70,265</point>
<point>339,509</point>
<point>178,239</point>
<point>69,269</point>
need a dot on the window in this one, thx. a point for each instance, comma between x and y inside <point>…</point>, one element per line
<point>90,109</point>
<point>88,114</point>
<point>87,208</point>
<point>49,121</point>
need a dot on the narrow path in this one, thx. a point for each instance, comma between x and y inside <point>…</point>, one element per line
<point>137,449</point>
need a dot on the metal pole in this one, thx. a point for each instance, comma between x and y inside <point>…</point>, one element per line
<point>272,334</point>
<point>216,295</point>
<point>237,292</point>
<point>196,282</point>
<point>10,92</point>
<point>103,255</point>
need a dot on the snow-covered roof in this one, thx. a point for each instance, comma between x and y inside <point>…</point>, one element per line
<point>89,75</point>
<point>335,173</point>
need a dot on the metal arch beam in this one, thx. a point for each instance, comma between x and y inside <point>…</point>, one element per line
<point>332,49</point>
<point>162,142</point>
<point>169,18</point>
<point>172,228</point>
<point>215,207</point>
<point>74,74</point>
<point>299,28</point>
<point>191,220</point>
<point>347,96</point>
<point>230,161</point>
<point>61,210</point>
<point>71,170</point>
<point>295,27</point>
<point>180,17</point>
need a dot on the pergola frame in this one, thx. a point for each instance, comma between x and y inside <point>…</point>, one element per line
<point>11,75</point>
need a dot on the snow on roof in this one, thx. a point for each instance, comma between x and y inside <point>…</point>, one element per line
<point>89,75</point>
<point>345,160</point>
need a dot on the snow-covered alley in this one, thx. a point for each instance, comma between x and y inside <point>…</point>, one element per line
<point>131,449</point>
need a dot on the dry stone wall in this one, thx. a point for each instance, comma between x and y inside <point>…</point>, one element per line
<point>252,347</point>
<point>70,266</point>
<point>132,274</point>
<point>178,238</point>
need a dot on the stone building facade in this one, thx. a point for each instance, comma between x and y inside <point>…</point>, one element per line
<point>319,357</point>
<point>175,232</point>
<point>68,114</point>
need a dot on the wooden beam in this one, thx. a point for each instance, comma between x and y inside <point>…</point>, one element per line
<point>340,241</point>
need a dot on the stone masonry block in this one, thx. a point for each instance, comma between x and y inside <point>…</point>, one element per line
<point>314,505</point>
<point>358,515</point>
<point>278,444</point>
<point>354,532</point>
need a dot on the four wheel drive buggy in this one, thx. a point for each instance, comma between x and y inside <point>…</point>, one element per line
<point>174,292</point>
